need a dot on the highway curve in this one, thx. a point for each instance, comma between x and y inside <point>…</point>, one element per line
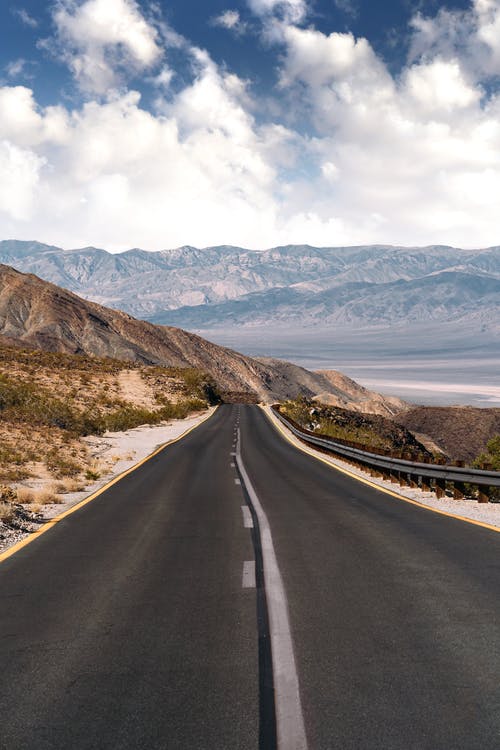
<point>135,622</point>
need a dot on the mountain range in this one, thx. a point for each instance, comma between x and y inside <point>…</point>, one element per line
<point>294,286</point>
<point>39,314</point>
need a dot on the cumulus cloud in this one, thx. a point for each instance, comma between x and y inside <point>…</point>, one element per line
<point>99,39</point>
<point>472,35</point>
<point>412,158</point>
<point>231,20</point>
<point>20,169</point>
<point>292,11</point>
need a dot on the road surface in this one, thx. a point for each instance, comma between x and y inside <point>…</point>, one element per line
<point>141,621</point>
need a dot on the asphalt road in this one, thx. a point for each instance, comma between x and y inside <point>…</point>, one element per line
<point>134,622</point>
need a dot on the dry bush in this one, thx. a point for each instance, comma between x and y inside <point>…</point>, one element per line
<point>47,496</point>
<point>25,495</point>
<point>69,485</point>
<point>94,471</point>
<point>6,512</point>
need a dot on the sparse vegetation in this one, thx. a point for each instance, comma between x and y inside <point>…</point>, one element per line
<point>490,459</point>
<point>49,401</point>
<point>366,431</point>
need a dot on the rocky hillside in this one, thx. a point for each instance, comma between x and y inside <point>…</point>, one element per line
<point>462,432</point>
<point>44,316</point>
<point>365,431</point>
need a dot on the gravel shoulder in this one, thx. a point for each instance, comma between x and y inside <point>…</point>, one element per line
<point>488,513</point>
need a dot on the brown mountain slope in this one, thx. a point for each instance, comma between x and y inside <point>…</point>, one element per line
<point>48,317</point>
<point>353,396</point>
<point>460,431</point>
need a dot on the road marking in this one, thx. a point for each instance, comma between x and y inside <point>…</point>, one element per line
<point>248,577</point>
<point>247,517</point>
<point>290,729</point>
<point>232,465</point>
<point>50,524</point>
<point>310,452</point>
<point>232,454</point>
<point>237,481</point>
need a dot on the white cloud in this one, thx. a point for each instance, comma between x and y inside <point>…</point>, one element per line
<point>26,18</point>
<point>472,35</point>
<point>20,170</point>
<point>292,11</point>
<point>413,158</point>
<point>347,6</point>
<point>101,38</point>
<point>231,20</point>
<point>15,68</point>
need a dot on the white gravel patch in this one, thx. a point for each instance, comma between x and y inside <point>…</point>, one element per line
<point>468,509</point>
<point>128,447</point>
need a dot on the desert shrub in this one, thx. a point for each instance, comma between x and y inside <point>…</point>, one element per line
<point>490,459</point>
<point>69,485</point>
<point>28,402</point>
<point>25,495</point>
<point>61,466</point>
<point>7,498</point>
<point>47,496</point>
<point>128,417</point>
<point>7,512</point>
<point>7,495</point>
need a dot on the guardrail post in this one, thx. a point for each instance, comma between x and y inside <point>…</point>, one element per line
<point>426,484</point>
<point>440,488</point>
<point>394,477</point>
<point>482,496</point>
<point>403,479</point>
<point>458,490</point>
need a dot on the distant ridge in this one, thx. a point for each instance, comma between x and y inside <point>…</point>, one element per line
<point>292,286</point>
<point>39,314</point>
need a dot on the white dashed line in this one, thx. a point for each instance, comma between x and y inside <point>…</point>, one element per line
<point>291,733</point>
<point>248,577</point>
<point>247,517</point>
<point>237,481</point>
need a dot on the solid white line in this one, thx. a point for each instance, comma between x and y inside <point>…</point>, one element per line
<point>248,577</point>
<point>247,517</point>
<point>291,733</point>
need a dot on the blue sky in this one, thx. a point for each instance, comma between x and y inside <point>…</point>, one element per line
<point>257,122</point>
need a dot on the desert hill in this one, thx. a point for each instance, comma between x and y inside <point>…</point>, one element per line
<point>39,314</point>
<point>461,432</point>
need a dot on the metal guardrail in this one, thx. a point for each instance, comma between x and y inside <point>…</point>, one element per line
<point>442,473</point>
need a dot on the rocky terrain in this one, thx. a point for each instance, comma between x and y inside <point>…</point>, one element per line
<point>42,315</point>
<point>293,286</point>
<point>462,432</point>
<point>367,431</point>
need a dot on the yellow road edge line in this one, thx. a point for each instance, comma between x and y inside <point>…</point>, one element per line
<point>54,521</point>
<point>312,453</point>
